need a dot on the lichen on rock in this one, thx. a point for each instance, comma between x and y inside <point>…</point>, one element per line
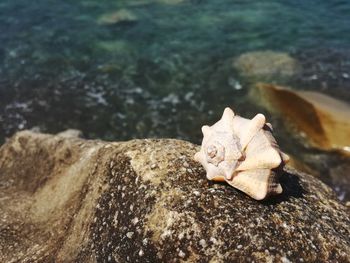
<point>66,199</point>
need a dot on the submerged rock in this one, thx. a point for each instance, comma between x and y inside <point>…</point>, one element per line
<point>324,120</point>
<point>65,199</point>
<point>340,177</point>
<point>266,64</point>
<point>170,2</point>
<point>122,15</point>
<point>114,46</point>
<point>148,2</point>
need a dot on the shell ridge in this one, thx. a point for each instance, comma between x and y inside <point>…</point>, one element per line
<point>253,127</point>
<point>258,182</point>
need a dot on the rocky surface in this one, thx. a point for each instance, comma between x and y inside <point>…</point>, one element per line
<point>325,121</point>
<point>266,64</point>
<point>65,199</point>
<point>171,2</point>
<point>119,16</point>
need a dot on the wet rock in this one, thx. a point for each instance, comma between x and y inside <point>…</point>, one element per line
<point>74,200</point>
<point>325,121</point>
<point>71,133</point>
<point>114,46</point>
<point>170,2</point>
<point>340,177</point>
<point>266,64</point>
<point>120,16</point>
<point>148,2</point>
<point>297,163</point>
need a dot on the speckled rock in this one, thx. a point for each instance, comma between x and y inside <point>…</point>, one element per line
<point>65,199</point>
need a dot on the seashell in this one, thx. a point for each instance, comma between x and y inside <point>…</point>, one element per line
<point>243,153</point>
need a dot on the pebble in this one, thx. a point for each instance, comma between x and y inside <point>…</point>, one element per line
<point>181,254</point>
<point>202,243</point>
<point>145,241</point>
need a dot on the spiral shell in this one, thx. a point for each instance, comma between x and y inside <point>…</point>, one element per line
<point>243,153</point>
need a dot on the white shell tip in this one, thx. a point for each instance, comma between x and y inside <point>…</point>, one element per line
<point>278,189</point>
<point>229,110</point>
<point>228,113</point>
<point>260,118</point>
<point>205,130</point>
<point>285,157</point>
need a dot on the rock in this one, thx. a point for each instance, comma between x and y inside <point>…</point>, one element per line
<point>145,3</point>
<point>266,64</point>
<point>122,15</point>
<point>150,2</point>
<point>115,47</point>
<point>74,200</point>
<point>170,2</point>
<point>296,163</point>
<point>324,120</point>
<point>340,177</point>
<point>71,133</point>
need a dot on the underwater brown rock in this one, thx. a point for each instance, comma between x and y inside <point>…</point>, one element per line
<point>65,199</point>
<point>324,120</point>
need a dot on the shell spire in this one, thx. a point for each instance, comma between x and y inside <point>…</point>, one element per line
<point>243,153</point>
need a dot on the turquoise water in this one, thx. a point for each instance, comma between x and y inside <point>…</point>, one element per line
<point>164,73</point>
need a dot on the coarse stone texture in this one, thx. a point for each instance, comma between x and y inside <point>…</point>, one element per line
<point>65,199</point>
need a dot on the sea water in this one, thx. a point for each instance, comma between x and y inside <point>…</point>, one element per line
<point>165,71</point>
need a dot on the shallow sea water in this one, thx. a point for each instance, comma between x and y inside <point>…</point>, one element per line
<point>167,73</point>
